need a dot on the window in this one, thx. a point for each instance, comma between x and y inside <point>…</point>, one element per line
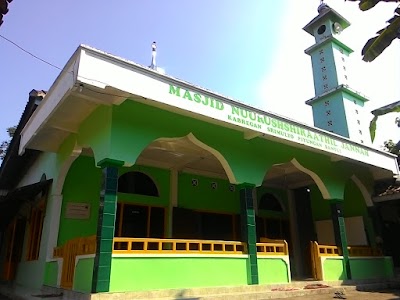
<point>139,221</point>
<point>35,222</point>
<point>191,224</point>
<point>137,183</point>
<point>272,228</point>
<point>269,202</point>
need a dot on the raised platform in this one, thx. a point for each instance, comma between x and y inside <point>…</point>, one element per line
<point>256,292</point>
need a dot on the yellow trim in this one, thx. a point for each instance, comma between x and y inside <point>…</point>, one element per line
<point>68,252</point>
<point>320,252</point>
<point>272,247</point>
<point>177,246</point>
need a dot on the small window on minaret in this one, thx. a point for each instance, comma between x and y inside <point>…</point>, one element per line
<point>330,123</point>
<point>326,102</point>
<point>341,50</point>
<point>356,111</point>
<point>362,142</point>
<point>345,77</point>
<point>323,69</point>
<point>321,51</point>
<point>325,77</point>
<point>328,112</point>
<point>321,29</point>
<point>325,86</point>
<point>322,59</point>
<point>344,68</point>
<point>343,58</point>
<point>358,122</point>
<point>360,132</point>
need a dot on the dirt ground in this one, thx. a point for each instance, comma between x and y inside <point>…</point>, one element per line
<point>352,295</point>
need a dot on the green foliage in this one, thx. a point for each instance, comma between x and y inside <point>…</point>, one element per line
<point>376,45</point>
<point>391,147</point>
<point>394,107</point>
<point>5,144</point>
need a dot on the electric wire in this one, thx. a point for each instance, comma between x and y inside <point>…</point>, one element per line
<point>58,68</point>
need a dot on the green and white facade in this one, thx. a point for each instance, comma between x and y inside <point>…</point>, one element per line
<point>134,154</point>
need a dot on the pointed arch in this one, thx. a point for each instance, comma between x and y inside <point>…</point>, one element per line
<point>322,187</point>
<point>363,190</point>
<point>217,154</point>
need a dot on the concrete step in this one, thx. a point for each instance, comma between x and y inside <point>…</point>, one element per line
<point>254,292</point>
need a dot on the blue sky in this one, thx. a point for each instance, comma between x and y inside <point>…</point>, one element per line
<point>252,51</point>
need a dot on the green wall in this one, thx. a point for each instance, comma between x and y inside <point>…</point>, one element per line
<point>147,273</point>
<point>51,273</point>
<point>82,185</point>
<point>272,270</point>
<point>83,275</point>
<point>361,268</point>
<point>319,206</point>
<point>333,269</point>
<point>204,197</point>
<point>371,268</point>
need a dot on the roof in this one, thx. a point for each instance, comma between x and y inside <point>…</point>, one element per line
<point>13,164</point>
<point>99,78</point>
<point>10,204</point>
<point>328,13</point>
<point>391,190</point>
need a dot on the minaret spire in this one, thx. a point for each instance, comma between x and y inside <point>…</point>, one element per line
<point>153,64</point>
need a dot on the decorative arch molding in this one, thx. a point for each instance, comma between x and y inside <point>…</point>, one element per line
<point>321,185</point>
<point>363,190</point>
<point>192,138</point>
<point>217,154</point>
<point>64,168</point>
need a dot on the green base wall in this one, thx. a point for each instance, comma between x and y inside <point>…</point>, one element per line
<point>147,273</point>
<point>272,270</point>
<point>361,268</point>
<point>370,268</point>
<point>51,273</point>
<point>83,275</point>
<point>333,269</point>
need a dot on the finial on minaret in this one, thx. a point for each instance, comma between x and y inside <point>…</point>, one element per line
<point>322,7</point>
<point>153,56</point>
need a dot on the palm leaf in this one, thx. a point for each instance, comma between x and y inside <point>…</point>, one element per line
<point>376,45</point>
<point>394,107</point>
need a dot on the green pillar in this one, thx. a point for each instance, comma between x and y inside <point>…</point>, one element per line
<point>339,229</point>
<point>249,233</point>
<point>105,226</point>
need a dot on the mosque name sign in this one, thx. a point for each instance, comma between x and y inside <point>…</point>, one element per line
<point>268,125</point>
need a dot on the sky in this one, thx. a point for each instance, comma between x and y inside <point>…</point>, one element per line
<point>252,51</point>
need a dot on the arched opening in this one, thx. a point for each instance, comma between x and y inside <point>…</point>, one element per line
<point>137,183</point>
<point>287,206</point>
<point>193,198</point>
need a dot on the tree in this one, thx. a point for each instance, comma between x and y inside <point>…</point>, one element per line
<point>4,144</point>
<point>376,45</point>
<point>394,107</point>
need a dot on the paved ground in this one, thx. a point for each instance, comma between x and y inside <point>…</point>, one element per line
<point>353,295</point>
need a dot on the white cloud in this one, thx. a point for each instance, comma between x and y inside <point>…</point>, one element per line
<point>289,83</point>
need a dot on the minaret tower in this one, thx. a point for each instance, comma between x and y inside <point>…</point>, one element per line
<point>336,107</point>
<point>153,64</point>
